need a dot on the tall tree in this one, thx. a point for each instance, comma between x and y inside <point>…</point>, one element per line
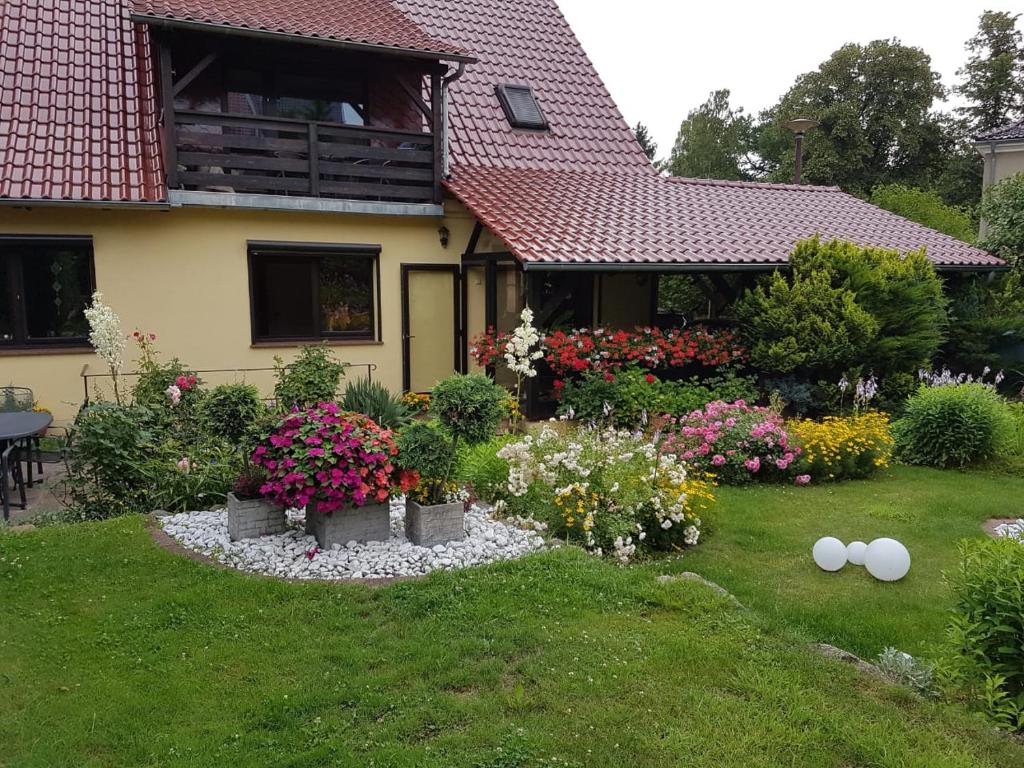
<point>993,77</point>
<point>876,125</point>
<point>713,141</point>
<point>647,144</point>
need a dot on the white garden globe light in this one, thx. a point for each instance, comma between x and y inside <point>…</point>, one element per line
<point>855,552</point>
<point>887,560</point>
<point>829,553</point>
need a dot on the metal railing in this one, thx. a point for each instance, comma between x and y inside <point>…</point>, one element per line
<point>89,380</point>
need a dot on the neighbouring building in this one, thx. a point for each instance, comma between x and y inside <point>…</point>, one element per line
<point>1002,150</point>
<point>390,176</point>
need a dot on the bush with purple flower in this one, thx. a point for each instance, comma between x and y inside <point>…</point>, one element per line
<point>325,455</point>
<point>736,442</point>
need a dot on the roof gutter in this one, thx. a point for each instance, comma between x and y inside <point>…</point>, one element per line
<point>235,31</point>
<point>447,80</point>
<point>22,202</point>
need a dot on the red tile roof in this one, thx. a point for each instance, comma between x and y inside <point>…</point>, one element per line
<point>527,42</point>
<point>1011,132</point>
<point>586,217</point>
<point>78,122</point>
<point>77,103</point>
<point>364,22</point>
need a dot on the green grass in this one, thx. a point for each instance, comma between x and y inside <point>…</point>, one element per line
<point>115,652</point>
<point>761,539</point>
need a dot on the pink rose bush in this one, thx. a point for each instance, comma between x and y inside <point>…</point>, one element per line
<point>736,442</point>
<point>328,456</point>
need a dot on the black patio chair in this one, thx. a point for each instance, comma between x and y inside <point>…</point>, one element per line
<point>20,400</point>
<point>16,399</point>
<point>10,471</point>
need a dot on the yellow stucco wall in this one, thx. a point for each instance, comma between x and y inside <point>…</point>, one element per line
<point>183,274</point>
<point>623,299</point>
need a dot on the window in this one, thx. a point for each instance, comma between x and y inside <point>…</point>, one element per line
<point>45,286</point>
<point>521,107</point>
<point>310,292</point>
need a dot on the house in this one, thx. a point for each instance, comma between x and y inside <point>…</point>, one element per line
<point>390,176</point>
<point>1002,150</point>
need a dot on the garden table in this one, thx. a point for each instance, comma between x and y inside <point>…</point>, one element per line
<point>14,427</point>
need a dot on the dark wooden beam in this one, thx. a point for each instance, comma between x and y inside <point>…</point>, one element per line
<point>474,239</point>
<point>195,72</point>
<point>437,128</point>
<point>170,137</point>
<point>491,295</point>
<point>314,161</point>
<point>416,98</point>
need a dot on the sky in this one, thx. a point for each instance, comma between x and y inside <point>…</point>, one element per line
<point>660,58</point>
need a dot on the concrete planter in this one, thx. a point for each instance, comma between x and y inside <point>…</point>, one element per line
<point>368,523</point>
<point>434,524</point>
<point>251,518</point>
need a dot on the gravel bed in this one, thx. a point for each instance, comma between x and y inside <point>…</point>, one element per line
<point>1014,530</point>
<point>295,555</point>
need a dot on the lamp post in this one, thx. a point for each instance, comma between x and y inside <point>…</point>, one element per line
<point>800,126</point>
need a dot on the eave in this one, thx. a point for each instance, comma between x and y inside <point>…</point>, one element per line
<point>264,34</point>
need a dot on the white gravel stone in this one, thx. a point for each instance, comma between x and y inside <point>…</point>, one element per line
<point>294,554</point>
<point>1014,530</point>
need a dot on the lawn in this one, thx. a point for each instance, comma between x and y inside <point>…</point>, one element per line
<point>759,548</point>
<point>116,652</point>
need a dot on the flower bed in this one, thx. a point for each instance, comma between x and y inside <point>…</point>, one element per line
<point>611,491</point>
<point>843,447</point>
<point>326,455</point>
<point>601,349</point>
<point>736,442</point>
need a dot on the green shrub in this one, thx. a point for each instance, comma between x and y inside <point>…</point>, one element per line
<point>925,207</point>
<point>901,292</point>
<point>805,326</point>
<point>683,397</point>
<point>483,470</point>
<point>373,399</point>
<point>185,478</point>
<point>1016,446</point>
<point>986,632</point>
<point>846,310</point>
<point>311,379</point>
<point>986,321</point>
<point>150,389</point>
<point>230,410</point>
<point>425,447</point>
<point>632,393</point>
<point>105,478</point>
<point>953,426</point>
<point>1002,208</point>
<point>469,406</point>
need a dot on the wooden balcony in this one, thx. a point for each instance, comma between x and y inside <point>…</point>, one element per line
<point>218,152</point>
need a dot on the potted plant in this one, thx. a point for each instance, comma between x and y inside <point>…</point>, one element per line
<point>335,464</point>
<point>434,513</point>
<point>250,515</point>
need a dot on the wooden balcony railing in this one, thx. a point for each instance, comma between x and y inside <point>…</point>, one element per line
<point>282,156</point>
